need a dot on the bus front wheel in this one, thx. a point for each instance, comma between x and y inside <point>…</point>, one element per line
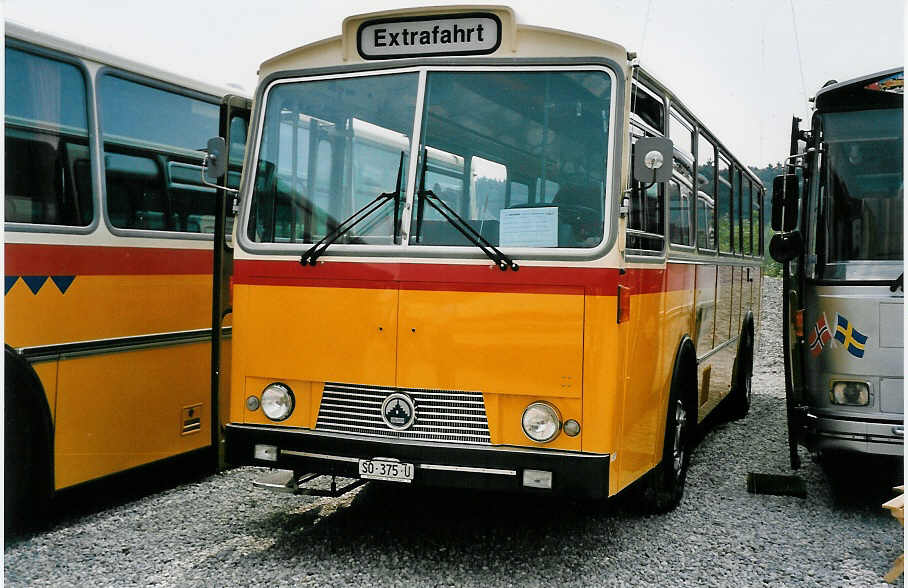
<point>665,485</point>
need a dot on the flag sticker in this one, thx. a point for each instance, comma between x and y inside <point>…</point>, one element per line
<point>819,337</point>
<point>850,337</point>
<point>894,84</point>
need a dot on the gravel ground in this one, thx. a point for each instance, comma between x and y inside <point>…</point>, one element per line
<point>219,531</point>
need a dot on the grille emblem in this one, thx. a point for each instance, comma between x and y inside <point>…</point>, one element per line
<point>398,411</point>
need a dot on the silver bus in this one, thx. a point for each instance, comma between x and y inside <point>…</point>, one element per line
<point>839,235</point>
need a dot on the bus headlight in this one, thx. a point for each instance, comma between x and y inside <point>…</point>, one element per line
<point>850,393</point>
<point>277,401</point>
<point>541,422</point>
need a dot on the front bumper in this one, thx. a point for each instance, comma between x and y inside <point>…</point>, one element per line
<point>582,475</point>
<point>829,433</point>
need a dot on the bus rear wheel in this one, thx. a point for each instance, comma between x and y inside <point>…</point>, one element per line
<point>741,396</point>
<point>28,482</point>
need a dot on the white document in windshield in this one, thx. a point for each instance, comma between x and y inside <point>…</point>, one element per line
<point>529,227</point>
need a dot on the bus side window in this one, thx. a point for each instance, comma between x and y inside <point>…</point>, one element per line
<point>648,106</point>
<point>152,142</point>
<point>681,133</point>
<point>646,224</point>
<point>724,205</point>
<point>519,193</point>
<point>756,221</point>
<point>48,168</point>
<point>237,140</point>
<point>739,200</point>
<point>488,180</point>
<point>679,197</point>
<point>706,183</point>
<point>746,207</point>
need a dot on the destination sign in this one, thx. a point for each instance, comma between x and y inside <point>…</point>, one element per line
<point>459,34</point>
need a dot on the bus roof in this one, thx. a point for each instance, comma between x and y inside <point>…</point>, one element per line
<point>516,40</point>
<point>883,89</point>
<point>39,38</point>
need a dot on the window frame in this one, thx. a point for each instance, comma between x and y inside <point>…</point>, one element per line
<point>701,134</point>
<point>636,118</point>
<point>92,130</point>
<point>747,184</point>
<point>107,70</point>
<point>722,156</point>
<point>638,131</point>
<point>687,158</point>
<point>425,67</point>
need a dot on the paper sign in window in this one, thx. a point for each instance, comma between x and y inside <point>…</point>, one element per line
<point>529,227</point>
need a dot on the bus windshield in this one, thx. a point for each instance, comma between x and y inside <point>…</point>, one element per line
<point>328,148</point>
<point>520,155</point>
<point>861,193</point>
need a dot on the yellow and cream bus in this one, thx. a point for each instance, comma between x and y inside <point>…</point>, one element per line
<point>108,264</point>
<point>447,271</point>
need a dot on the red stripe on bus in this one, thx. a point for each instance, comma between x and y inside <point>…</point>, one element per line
<point>91,260</point>
<point>473,278</point>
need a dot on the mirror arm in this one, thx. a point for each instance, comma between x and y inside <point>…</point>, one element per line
<point>205,182</point>
<point>798,156</point>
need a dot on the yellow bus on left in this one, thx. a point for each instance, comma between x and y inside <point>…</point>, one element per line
<point>108,244</point>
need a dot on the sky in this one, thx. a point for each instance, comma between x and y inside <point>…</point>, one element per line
<point>744,67</point>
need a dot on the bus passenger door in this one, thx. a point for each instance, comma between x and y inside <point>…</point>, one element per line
<point>233,127</point>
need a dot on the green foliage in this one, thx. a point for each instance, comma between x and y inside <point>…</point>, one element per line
<point>766,174</point>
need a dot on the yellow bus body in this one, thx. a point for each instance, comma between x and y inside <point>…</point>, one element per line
<point>545,333</point>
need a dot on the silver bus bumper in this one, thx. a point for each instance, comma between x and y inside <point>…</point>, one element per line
<point>825,433</point>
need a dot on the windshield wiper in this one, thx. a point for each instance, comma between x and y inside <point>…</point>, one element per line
<point>897,283</point>
<point>428,196</point>
<point>310,256</point>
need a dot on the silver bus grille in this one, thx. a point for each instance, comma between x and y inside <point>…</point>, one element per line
<point>442,416</point>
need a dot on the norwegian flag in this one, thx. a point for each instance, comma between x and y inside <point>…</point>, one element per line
<point>819,337</point>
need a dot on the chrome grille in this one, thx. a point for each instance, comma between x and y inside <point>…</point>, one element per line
<point>441,415</point>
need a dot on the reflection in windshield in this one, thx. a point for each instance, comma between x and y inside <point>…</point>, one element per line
<point>862,188</point>
<point>328,148</point>
<point>520,155</point>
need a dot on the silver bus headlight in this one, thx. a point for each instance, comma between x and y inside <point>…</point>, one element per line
<point>541,422</point>
<point>277,401</point>
<point>850,393</point>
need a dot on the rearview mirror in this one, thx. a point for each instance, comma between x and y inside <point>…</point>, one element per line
<point>653,159</point>
<point>786,246</point>
<point>215,164</point>
<point>785,202</point>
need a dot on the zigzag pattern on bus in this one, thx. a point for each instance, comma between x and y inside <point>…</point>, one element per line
<point>35,283</point>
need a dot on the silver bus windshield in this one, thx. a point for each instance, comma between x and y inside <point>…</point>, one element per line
<point>520,154</point>
<point>861,192</point>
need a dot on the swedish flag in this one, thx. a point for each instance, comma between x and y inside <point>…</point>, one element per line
<point>851,338</point>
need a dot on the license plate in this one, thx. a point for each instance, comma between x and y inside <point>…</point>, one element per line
<point>390,471</point>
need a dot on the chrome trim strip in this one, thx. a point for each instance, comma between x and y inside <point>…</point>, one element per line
<point>320,456</point>
<point>476,430</point>
<point>433,466</point>
<point>442,416</point>
<point>58,351</point>
<point>715,350</point>
<point>302,432</point>
<point>415,435</point>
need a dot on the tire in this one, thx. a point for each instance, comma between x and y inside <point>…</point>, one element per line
<point>665,485</point>
<point>28,464</point>
<point>741,396</point>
